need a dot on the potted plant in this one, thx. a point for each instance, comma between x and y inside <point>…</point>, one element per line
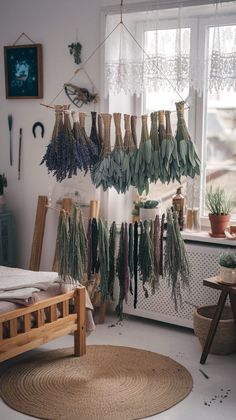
<point>3,184</point>
<point>145,209</point>
<point>227,262</point>
<point>220,205</point>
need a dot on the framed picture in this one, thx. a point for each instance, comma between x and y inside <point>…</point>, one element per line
<point>23,71</point>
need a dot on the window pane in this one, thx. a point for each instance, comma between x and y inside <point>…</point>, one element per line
<point>164,43</point>
<point>221,135</point>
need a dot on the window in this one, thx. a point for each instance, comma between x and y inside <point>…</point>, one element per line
<point>211,117</point>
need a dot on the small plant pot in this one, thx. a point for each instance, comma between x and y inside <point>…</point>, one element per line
<point>147,214</point>
<point>218,224</point>
<point>224,341</point>
<point>228,275</point>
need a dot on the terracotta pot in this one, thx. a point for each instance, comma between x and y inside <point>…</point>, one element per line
<point>219,223</point>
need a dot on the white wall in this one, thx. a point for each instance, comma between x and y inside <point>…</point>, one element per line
<point>54,24</point>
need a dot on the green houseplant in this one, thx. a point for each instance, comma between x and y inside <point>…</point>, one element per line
<point>227,262</point>
<point>220,206</point>
<point>3,184</point>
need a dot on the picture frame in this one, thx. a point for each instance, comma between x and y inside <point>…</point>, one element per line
<point>23,71</point>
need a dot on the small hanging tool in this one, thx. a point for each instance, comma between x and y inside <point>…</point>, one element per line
<point>10,123</point>
<point>38,124</point>
<point>19,156</point>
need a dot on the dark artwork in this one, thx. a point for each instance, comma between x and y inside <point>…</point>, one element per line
<point>23,70</point>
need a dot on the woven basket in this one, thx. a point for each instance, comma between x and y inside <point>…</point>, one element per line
<point>224,341</point>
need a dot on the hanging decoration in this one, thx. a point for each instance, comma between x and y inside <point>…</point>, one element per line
<point>188,159</point>
<point>80,96</point>
<point>94,134</point>
<point>106,171</point>
<point>117,155</point>
<point>112,265</point>
<point>144,159</point>
<point>75,50</point>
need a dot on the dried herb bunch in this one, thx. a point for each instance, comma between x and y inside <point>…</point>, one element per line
<point>176,265</point>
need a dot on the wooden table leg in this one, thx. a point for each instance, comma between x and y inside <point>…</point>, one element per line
<point>232,297</point>
<point>213,326</point>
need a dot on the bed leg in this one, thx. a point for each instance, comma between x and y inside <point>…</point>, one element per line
<point>80,333</point>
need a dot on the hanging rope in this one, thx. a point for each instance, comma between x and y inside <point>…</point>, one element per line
<point>121,23</point>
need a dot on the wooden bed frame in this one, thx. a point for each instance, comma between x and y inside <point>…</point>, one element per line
<point>44,331</point>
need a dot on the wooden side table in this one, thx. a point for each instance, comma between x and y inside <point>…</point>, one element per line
<point>226,290</point>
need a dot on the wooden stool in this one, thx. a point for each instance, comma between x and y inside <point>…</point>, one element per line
<point>225,291</point>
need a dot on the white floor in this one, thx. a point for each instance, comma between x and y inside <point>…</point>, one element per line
<point>211,399</point>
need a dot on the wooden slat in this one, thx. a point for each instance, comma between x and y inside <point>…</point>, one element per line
<point>65,308</point>
<point>26,323</point>
<point>52,313</point>
<point>39,228</point>
<point>1,332</point>
<point>13,327</point>
<point>40,317</point>
<point>35,337</point>
<point>39,305</point>
<point>80,333</point>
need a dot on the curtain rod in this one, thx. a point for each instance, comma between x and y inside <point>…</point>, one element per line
<point>158,5</point>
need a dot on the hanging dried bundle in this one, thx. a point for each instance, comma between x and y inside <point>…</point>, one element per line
<point>94,135</point>
<point>112,262</point>
<point>145,258</point>
<point>128,166</point>
<point>103,249</point>
<point>154,136</point>
<point>120,269</point>
<point>170,159</point>
<point>188,158</point>
<point>53,157</point>
<point>131,255</point>
<point>81,146</point>
<point>118,155</point>
<point>162,143</point>
<point>105,170</point>
<point>62,246</point>
<point>144,159</point>
<point>135,258</point>
<point>133,158</point>
<point>71,248</point>
<point>176,266</point>
<point>92,148</point>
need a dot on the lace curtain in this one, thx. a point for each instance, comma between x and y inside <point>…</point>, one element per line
<point>159,58</point>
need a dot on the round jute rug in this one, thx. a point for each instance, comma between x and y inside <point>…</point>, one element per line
<point>109,383</point>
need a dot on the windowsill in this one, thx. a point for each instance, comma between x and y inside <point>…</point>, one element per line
<point>204,236</point>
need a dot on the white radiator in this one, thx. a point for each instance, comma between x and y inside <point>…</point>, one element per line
<point>204,264</point>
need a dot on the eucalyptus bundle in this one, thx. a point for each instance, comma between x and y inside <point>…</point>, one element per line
<point>176,265</point>
<point>170,158</point>
<point>103,255</point>
<point>154,136</point>
<point>118,155</point>
<point>146,257</point>
<point>144,159</point>
<point>106,169</point>
<point>188,157</point>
